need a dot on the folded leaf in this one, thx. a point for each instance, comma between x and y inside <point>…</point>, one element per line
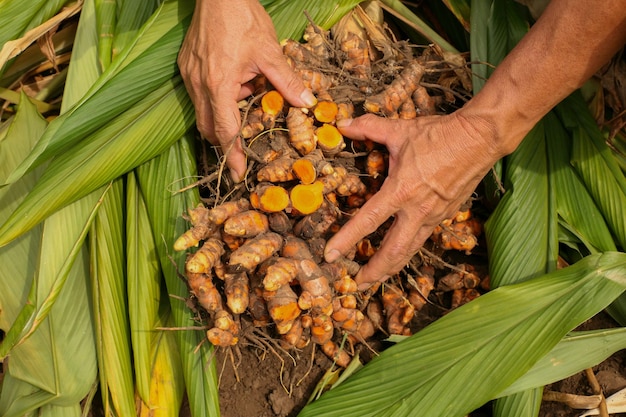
<point>476,351</point>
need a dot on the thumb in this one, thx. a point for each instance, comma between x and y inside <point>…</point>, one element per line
<point>288,83</point>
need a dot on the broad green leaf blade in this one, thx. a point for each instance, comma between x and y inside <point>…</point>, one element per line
<point>133,138</point>
<point>144,285</point>
<point>574,353</point>
<point>167,385</point>
<point>132,15</point>
<point>60,411</point>
<point>522,231</point>
<point>289,18</point>
<point>15,19</point>
<point>522,404</point>
<point>83,70</point>
<point>574,204</point>
<point>106,12</point>
<point>150,62</point>
<point>56,352</point>
<point>475,352</point>
<point>108,277</point>
<point>596,165</point>
<point>497,26</point>
<point>157,179</point>
<point>17,258</point>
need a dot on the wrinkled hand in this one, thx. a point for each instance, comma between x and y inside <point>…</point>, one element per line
<point>229,43</point>
<point>435,164</point>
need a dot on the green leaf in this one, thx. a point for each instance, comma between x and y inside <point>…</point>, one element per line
<point>136,73</point>
<point>158,179</point>
<point>476,351</point>
<point>290,20</point>
<point>15,19</point>
<point>574,353</point>
<point>106,23</point>
<point>108,276</point>
<point>596,165</point>
<point>83,70</point>
<point>522,231</point>
<point>574,203</point>
<point>522,404</point>
<point>144,285</point>
<point>138,135</point>
<point>132,15</point>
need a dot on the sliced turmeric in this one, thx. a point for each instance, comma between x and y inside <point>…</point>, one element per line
<point>269,198</point>
<point>325,111</point>
<point>272,103</point>
<point>329,139</point>
<point>304,170</point>
<point>306,198</point>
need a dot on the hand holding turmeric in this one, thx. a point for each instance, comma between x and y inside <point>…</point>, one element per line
<point>217,75</point>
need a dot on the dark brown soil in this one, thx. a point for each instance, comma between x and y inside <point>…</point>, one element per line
<point>259,383</point>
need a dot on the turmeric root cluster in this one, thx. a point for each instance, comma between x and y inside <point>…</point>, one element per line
<point>260,250</point>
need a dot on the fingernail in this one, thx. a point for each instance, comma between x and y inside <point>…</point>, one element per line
<point>332,255</point>
<point>343,123</point>
<point>308,98</point>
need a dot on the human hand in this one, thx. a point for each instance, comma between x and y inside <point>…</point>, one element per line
<point>228,44</point>
<point>435,164</point>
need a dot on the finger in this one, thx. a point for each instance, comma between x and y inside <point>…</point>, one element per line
<point>373,213</point>
<point>369,127</point>
<point>246,91</point>
<point>287,82</point>
<point>394,253</point>
<point>226,124</point>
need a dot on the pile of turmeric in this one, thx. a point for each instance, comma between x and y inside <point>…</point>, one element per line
<point>256,255</point>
